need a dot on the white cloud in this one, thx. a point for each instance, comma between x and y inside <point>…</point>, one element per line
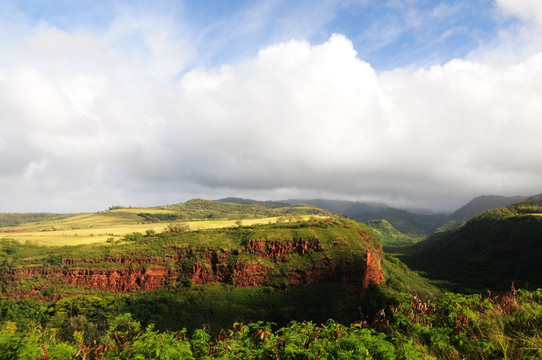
<point>35,169</point>
<point>521,38</point>
<point>89,120</point>
<point>50,42</point>
<point>320,118</point>
<point>530,10</point>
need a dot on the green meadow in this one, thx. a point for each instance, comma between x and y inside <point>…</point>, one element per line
<point>114,224</point>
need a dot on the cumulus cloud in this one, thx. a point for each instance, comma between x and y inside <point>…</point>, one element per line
<point>321,119</point>
<point>90,120</point>
<point>530,10</point>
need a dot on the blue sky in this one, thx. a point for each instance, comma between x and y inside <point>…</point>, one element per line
<point>387,34</point>
<point>414,103</point>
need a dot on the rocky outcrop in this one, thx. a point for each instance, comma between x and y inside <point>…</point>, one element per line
<point>121,260</point>
<point>279,250</point>
<point>262,263</point>
<point>373,267</point>
<point>120,280</point>
<point>251,275</point>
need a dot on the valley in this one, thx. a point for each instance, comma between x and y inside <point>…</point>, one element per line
<point>265,269</point>
<point>493,249</point>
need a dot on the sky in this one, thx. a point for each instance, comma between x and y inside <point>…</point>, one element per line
<point>414,103</point>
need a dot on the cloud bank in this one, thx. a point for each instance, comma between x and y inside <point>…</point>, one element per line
<point>120,117</point>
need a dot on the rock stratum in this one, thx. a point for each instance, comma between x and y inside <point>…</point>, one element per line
<point>278,257</point>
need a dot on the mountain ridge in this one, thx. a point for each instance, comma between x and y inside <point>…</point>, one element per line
<point>414,224</point>
<point>492,250</point>
<point>478,205</point>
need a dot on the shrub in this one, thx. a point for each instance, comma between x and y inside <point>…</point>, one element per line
<point>177,228</point>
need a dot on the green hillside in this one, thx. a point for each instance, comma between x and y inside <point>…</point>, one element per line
<point>492,250</point>
<point>199,209</point>
<point>389,236</point>
<point>477,206</point>
<point>14,219</point>
<point>413,225</point>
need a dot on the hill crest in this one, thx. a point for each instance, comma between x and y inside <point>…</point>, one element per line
<point>493,249</point>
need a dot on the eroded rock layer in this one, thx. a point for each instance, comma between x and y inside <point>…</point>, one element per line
<point>261,262</point>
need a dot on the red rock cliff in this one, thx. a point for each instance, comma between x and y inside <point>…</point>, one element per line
<point>202,266</point>
<point>279,250</point>
<point>373,267</point>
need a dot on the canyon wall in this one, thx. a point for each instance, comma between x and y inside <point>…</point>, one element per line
<point>262,262</point>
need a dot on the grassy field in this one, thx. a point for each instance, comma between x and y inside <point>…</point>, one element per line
<point>98,227</point>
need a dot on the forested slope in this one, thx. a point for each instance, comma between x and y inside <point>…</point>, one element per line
<point>492,250</point>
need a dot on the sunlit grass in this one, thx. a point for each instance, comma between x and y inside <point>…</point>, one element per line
<point>99,227</point>
<point>143,210</point>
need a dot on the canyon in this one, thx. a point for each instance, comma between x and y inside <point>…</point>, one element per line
<point>277,263</point>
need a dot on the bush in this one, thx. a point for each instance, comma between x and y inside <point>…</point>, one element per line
<point>135,236</point>
<point>177,228</point>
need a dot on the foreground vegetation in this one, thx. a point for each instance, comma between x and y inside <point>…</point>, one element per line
<point>452,326</point>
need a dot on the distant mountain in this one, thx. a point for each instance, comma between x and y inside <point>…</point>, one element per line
<point>476,206</point>
<point>236,200</point>
<point>268,203</point>
<point>348,208</point>
<point>412,224</point>
<point>491,250</point>
<point>416,224</point>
